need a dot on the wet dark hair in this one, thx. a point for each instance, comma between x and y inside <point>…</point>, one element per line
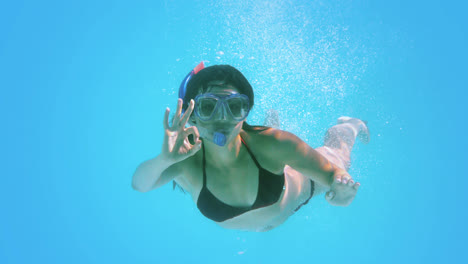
<point>226,74</point>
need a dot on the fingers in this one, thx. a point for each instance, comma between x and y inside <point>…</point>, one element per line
<point>166,119</point>
<point>356,186</point>
<point>195,148</point>
<point>346,180</point>
<point>187,113</point>
<point>338,178</point>
<point>178,112</point>
<point>184,139</point>
<point>191,149</point>
<point>351,184</point>
<point>194,131</point>
<point>177,118</point>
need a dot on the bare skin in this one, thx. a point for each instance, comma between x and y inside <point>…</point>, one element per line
<point>232,176</point>
<point>338,144</point>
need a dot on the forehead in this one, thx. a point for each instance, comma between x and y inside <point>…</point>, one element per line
<point>218,87</point>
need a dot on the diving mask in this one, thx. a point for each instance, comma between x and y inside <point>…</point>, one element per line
<point>208,105</point>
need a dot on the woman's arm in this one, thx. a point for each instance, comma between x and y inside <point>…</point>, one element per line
<point>154,173</point>
<point>291,150</point>
<point>176,148</point>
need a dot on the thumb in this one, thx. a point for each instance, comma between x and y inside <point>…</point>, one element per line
<point>195,148</point>
<point>330,195</point>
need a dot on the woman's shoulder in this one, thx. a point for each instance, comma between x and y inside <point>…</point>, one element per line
<point>270,143</point>
<point>270,137</point>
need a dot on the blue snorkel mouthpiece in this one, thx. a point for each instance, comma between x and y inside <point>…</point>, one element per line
<point>219,139</point>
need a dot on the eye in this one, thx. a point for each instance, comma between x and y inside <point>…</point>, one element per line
<point>237,107</point>
<point>206,106</point>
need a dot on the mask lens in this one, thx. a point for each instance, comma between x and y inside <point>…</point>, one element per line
<point>238,107</point>
<point>206,106</point>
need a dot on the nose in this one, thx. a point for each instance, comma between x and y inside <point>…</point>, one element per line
<point>221,114</point>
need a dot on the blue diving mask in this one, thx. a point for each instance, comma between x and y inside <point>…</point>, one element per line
<point>208,106</point>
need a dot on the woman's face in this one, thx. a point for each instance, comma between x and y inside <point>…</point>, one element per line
<point>221,121</point>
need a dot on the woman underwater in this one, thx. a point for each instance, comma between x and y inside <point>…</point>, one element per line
<point>241,176</point>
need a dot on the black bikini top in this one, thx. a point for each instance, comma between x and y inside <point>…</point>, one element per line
<point>270,187</point>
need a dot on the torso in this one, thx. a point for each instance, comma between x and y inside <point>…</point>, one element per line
<point>238,185</point>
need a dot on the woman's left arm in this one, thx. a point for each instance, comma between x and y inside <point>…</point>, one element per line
<point>292,151</point>
<point>286,148</point>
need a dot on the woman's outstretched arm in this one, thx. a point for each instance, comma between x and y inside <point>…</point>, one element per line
<point>285,147</point>
<point>292,151</point>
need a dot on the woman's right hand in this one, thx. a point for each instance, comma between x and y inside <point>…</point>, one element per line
<point>176,146</point>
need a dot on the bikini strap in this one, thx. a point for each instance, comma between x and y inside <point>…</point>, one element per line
<point>204,165</point>
<point>251,154</point>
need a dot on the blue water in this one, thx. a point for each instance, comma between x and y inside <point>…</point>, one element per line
<point>84,85</point>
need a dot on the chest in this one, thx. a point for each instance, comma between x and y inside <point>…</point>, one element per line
<point>235,185</point>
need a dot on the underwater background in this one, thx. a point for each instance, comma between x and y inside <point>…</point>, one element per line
<point>84,86</point>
